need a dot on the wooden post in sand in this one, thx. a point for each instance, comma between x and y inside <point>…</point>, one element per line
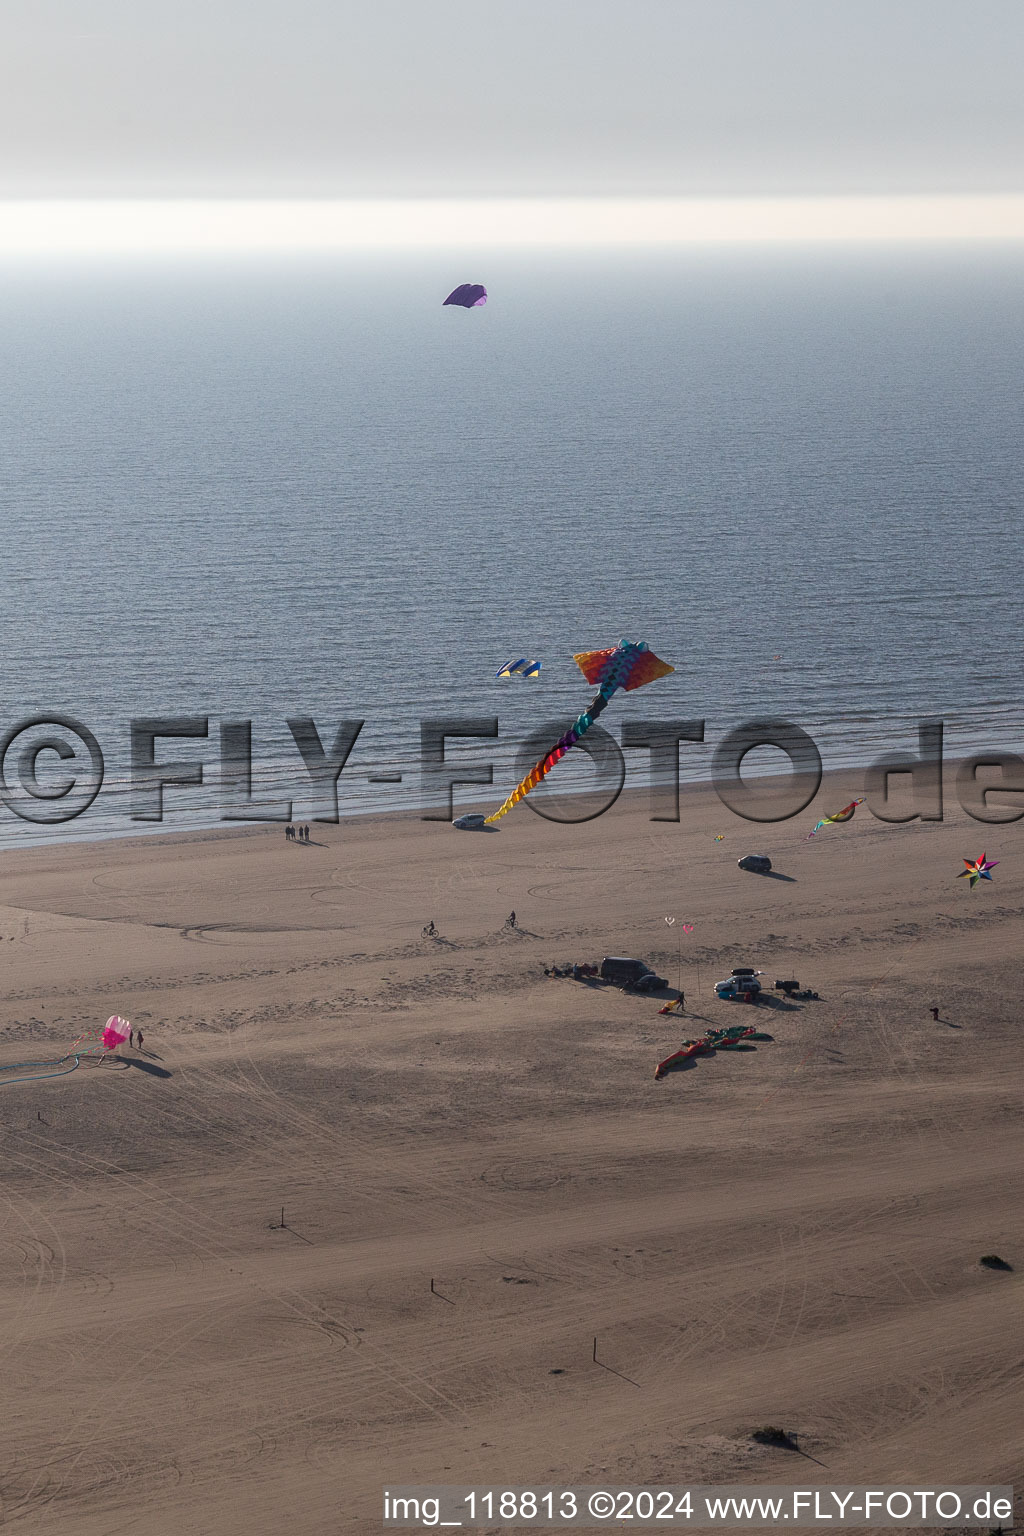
<point>594,1356</point>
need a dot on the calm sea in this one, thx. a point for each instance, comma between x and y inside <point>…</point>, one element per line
<point>253,490</point>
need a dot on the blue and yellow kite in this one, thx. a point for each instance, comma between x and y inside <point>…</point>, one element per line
<point>520,668</point>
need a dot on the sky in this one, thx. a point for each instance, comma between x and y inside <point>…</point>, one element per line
<point>531,99</point>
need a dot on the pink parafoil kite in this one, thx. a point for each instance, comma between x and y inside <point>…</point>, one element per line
<point>116,1032</point>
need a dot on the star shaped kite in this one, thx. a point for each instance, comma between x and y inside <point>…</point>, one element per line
<point>978,869</point>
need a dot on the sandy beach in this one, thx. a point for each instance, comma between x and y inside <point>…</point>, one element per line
<point>788,1236</point>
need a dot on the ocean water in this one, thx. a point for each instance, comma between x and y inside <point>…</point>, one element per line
<point>253,490</point>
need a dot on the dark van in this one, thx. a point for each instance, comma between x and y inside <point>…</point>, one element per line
<point>630,973</point>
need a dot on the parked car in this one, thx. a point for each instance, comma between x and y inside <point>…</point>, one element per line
<point>742,980</point>
<point>632,974</point>
<point>757,863</point>
<point>471,822</point>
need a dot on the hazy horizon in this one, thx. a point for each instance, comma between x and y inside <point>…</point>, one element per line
<point>39,226</point>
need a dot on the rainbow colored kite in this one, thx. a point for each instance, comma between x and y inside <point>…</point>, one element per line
<point>977,869</point>
<point>627,665</point>
<point>846,814</point>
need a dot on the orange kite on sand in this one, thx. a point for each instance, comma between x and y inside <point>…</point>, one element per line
<point>734,1038</point>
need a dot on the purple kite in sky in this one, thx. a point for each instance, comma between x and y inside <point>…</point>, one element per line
<point>469,295</point>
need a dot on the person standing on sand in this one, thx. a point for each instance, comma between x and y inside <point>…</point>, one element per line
<point>138,1039</point>
<point>130,1040</point>
<point>511,920</point>
<point>934,1013</point>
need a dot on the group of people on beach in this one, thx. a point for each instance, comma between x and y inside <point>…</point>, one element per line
<point>297,834</point>
<point>135,1038</point>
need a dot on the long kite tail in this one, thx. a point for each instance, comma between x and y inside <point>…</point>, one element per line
<point>579,728</point>
<point>627,665</point>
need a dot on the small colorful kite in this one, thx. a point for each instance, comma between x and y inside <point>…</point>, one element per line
<point>469,295</point>
<point>520,668</point>
<point>846,814</point>
<point>977,869</point>
<point>720,838</point>
<point>627,665</point>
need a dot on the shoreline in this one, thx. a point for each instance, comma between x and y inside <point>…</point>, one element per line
<point>842,779</point>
